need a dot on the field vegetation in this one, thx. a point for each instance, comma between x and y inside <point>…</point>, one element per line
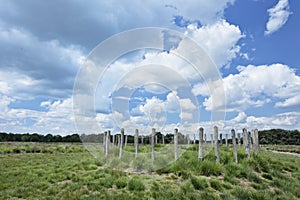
<point>68,171</point>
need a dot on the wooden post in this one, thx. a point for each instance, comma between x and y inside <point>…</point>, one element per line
<point>221,139</point>
<point>176,143</point>
<point>152,144</point>
<point>121,142</point>
<point>239,139</point>
<point>136,142</point>
<point>234,145</point>
<point>246,142</point>
<point>200,152</point>
<point>216,144</point>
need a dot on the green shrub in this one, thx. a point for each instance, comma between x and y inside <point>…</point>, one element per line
<point>214,183</point>
<point>208,195</point>
<point>209,168</point>
<point>267,176</point>
<point>242,194</point>
<point>199,183</point>
<point>121,183</point>
<point>135,185</point>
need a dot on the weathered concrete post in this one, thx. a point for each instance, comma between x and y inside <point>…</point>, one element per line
<point>194,139</point>
<point>256,140</point>
<point>152,143</point>
<point>176,143</point>
<point>107,141</point>
<point>114,139</point>
<point>226,139</point>
<point>163,139</point>
<point>155,139</point>
<point>216,144</point>
<point>104,140</point>
<point>234,145</point>
<point>205,140</point>
<point>142,140</point>
<point>239,139</point>
<point>188,139</point>
<point>221,139</point>
<point>246,142</point>
<point>250,140</point>
<point>136,142</point>
<point>212,139</point>
<point>121,143</point>
<point>109,134</point>
<point>126,140</point>
<point>119,140</point>
<point>200,152</point>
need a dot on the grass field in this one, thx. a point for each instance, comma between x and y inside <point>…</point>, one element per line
<point>68,171</point>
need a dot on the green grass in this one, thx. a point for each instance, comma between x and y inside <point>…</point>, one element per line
<point>68,171</point>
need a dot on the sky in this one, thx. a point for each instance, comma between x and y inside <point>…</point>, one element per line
<point>52,80</point>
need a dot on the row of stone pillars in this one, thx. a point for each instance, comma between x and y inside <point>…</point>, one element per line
<point>250,141</point>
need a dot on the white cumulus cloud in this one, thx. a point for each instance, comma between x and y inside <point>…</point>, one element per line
<point>278,16</point>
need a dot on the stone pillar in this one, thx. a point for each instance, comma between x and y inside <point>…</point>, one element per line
<point>155,139</point>
<point>107,141</point>
<point>226,139</point>
<point>246,142</point>
<point>200,152</point>
<point>216,144</point>
<point>212,139</point>
<point>121,143</point>
<point>152,143</point>
<point>205,138</point>
<point>239,139</point>
<point>234,145</point>
<point>163,139</point>
<point>221,139</point>
<point>136,142</point>
<point>176,143</point>
<point>142,140</point>
<point>188,138</point>
<point>114,139</point>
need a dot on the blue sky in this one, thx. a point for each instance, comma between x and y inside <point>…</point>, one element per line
<point>253,44</point>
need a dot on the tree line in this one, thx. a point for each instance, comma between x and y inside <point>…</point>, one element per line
<point>273,136</point>
<point>279,136</point>
<point>26,137</point>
